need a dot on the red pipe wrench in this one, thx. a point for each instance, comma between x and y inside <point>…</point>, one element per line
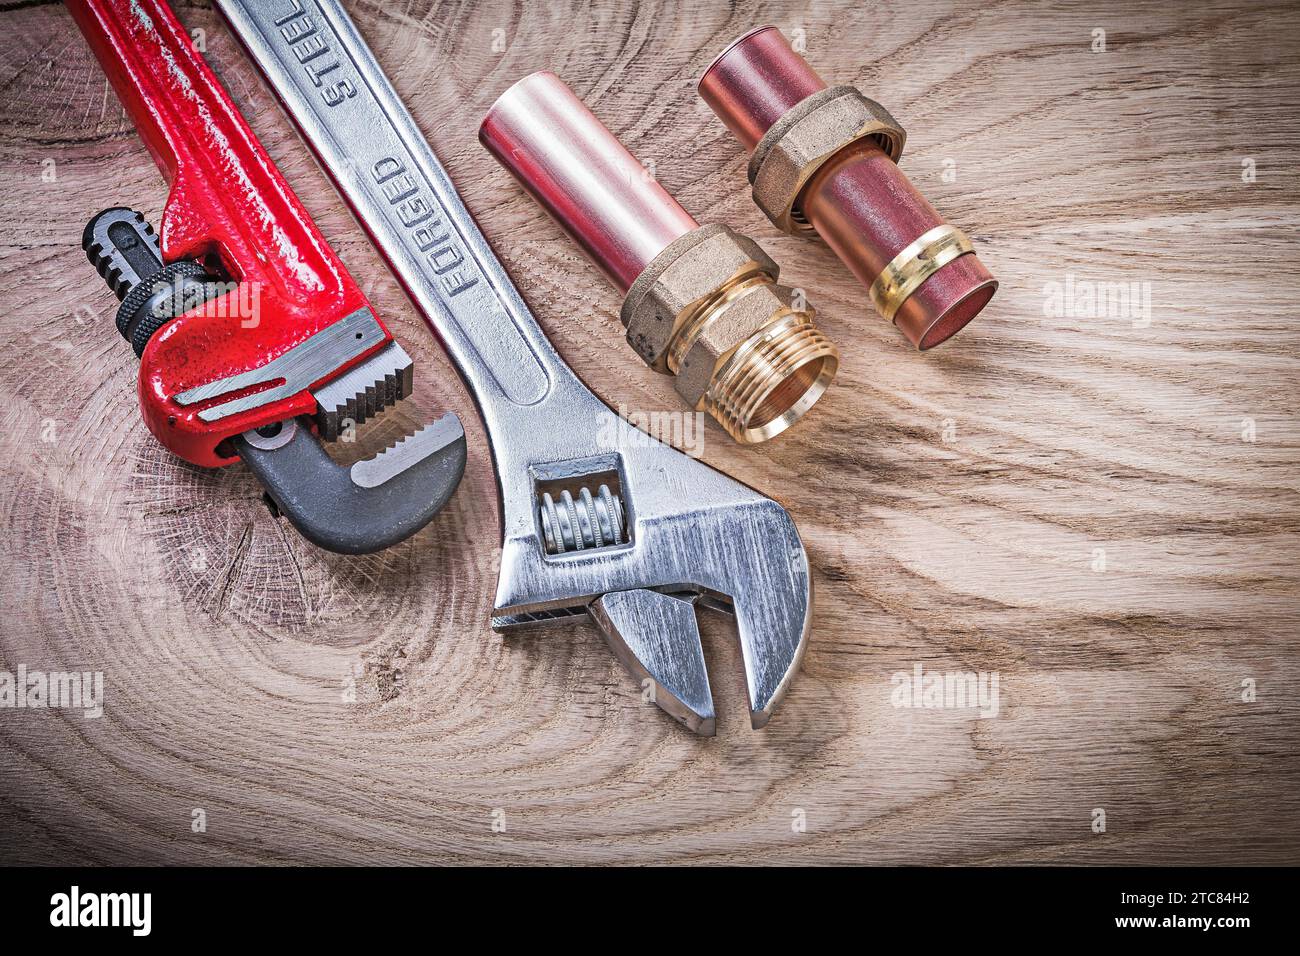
<point>254,341</point>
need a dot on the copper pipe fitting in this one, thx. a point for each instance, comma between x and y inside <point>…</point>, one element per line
<point>701,302</point>
<point>824,163</point>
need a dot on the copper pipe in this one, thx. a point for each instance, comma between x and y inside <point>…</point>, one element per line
<point>602,197</point>
<point>858,200</point>
<point>701,303</point>
<point>755,81</point>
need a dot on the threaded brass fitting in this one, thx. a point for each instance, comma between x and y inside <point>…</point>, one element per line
<point>702,303</point>
<point>709,311</point>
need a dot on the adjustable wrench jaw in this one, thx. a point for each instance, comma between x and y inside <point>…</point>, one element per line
<point>654,525</point>
<point>691,533</point>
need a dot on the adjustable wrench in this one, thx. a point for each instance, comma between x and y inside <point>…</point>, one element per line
<point>597,518</point>
<point>257,367</point>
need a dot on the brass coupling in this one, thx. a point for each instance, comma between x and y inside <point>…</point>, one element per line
<point>825,164</point>
<point>709,311</point>
<point>701,303</point>
<point>804,138</point>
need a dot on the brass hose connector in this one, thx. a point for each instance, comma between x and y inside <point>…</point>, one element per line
<point>743,347</point>
<point>702,302</point>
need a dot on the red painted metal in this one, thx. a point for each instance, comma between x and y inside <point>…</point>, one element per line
<point>227,200</point>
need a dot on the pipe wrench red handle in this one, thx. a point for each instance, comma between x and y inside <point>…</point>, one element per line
<point>253,338</point>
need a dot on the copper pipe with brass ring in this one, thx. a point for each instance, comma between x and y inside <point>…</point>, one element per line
<point>917,262</point>
<point>824,164</point>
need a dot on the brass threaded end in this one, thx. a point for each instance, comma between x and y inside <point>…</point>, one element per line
<point>772,379</point>
<point>709,312</point>
<point>693,322</point>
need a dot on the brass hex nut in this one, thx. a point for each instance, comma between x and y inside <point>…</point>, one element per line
<point>809,134</point>
<point>753,309</point>
<point>682,281</point>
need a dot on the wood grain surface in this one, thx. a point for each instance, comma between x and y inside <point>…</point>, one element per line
<point>1101,508</point>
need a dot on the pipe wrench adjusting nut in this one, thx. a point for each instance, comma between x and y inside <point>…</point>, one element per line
<point>702,303</point>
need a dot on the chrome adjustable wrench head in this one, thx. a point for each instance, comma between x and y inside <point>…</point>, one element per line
<point>598,518</point>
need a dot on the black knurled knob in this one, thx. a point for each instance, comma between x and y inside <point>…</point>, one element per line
<point>124,250</point>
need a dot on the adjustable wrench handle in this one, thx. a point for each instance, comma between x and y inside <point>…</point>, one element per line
<point>407,202</point>
<point>692,529</point>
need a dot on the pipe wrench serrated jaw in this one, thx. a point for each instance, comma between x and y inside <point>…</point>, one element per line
<point>598,518</point>
<point>264,367</point>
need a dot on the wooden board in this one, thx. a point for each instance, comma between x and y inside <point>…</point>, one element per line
<point>1100,509</point>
